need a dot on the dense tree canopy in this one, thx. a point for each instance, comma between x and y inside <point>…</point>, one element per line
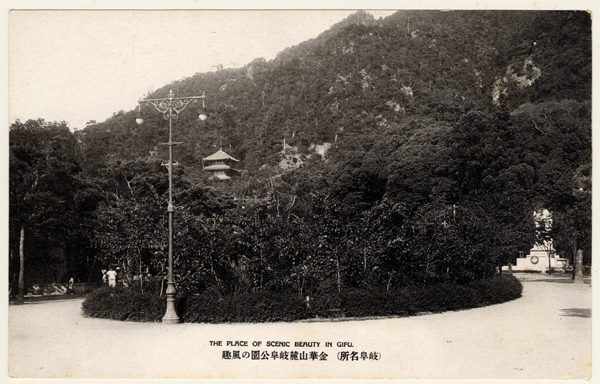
<point>43,166</point>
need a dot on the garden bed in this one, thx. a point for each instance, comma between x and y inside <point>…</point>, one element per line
<point>129,304</point>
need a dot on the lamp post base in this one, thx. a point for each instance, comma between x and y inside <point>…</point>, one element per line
<point>171,320</point>
<point>171,315</point>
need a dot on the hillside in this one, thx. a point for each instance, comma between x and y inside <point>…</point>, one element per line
<point>364,77</point>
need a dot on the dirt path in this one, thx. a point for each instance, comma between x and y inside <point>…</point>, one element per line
<point>546,334</point>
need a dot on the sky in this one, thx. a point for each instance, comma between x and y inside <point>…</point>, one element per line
<point>78,65</point>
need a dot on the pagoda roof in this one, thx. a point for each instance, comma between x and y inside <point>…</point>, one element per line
<point>217,167</point>
<point>220,155</point>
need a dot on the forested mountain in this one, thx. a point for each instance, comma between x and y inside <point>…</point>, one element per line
<point>373,133</point>
<point>364,77</point>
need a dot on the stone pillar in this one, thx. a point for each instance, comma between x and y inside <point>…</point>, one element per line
<point>579,267</point>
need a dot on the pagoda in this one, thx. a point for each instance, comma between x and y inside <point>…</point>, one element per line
<point>219,164</point>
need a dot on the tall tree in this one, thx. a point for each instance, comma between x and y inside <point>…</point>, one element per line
<point>43,165</point>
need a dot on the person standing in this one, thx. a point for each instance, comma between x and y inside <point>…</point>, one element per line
<point>104,278</point>
<point>70,286</point>
<point>112,277</point>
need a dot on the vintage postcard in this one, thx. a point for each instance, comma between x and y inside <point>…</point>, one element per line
<point>383,191</point>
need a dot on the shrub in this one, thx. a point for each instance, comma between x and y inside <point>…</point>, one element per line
<point>244,307</point>
<point>131,304</point>
<point>497,289</point>
<point>123,304</point>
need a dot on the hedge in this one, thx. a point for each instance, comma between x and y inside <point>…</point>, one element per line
<point>128,304</point>
<point>124,304</point>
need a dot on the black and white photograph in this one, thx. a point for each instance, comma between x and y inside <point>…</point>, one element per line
<point>369,192</point>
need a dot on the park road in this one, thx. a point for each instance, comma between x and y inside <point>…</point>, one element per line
<point>546,334</point>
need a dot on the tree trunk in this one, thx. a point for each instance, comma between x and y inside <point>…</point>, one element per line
<point>89,279</point>
<point>22,265</point>
<point>579,267</point>
<point>11,277</point>
<point>141,276</point>
<point>574,263</point>
<point>339,278</point>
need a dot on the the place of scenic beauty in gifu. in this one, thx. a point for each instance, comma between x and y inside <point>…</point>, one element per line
<point>299,194</point>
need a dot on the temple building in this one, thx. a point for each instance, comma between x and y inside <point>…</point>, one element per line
<point>219,164</point>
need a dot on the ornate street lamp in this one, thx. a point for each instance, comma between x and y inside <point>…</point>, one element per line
<point>170,107</point>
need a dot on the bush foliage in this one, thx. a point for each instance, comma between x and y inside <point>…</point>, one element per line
<point>124,304</point>
<point>130,304</point>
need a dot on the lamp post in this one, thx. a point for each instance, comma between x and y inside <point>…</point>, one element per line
<point>170,107</point>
